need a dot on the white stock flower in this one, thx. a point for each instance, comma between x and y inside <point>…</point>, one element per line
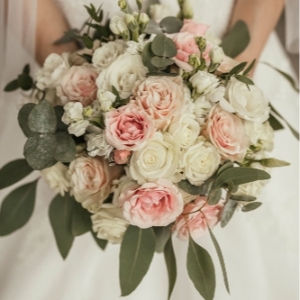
<point>200,161</point>
<point>57,177</point>
<point>106,99</point>
<point>159,11</point>
<point>184,129</point>
<point>78,128</point>
<point>159,158</point>
<point>123,73</point>
<point>109,224</point>
<point>202,108</point>
<point>216,54</point>
<point>54,68</point>
<point>204,82</point>
<point>137,47</point>
<point>97,145</point>
<point>73,112</point>
<point>249,104</point>
<point>107,54</point>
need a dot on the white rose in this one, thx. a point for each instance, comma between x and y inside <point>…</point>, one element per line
<point>120,185</point>
<point>73,112</point>
<point>106,99</point>
<point>122,74</point>
<point>216,54</point>
<point>200,161</point>
<point>250,104</point>
<point>109,224</point>
<point>107,54</point>
<point>78,128</point>
<point>159,11</point>
<point>97,145</point>
<point>57,177</point>
<point>54,68</point>
<point>204,82</point>
<point>159,158</point>
<point>184,129</point>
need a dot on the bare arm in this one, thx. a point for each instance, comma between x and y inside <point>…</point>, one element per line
<point>50,26</point>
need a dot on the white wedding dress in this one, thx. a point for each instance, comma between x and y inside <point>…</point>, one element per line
<point>260,247</point>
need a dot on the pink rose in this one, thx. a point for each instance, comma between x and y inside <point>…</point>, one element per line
<point>79,84</point>
<point>156,203</point>
<point>227,133</point>
<point>91,180</point>
<point>197,29</point>
<point>121,157</point>
<point>160,97</point>
<point>128,128</point>
<point>195,218</point>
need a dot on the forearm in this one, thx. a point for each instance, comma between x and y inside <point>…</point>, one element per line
<point>261,17</point>
<point>50,26</point>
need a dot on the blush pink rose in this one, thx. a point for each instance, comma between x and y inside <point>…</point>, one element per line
<point>156,203</point>
<point>128,128</point>
<point>160,97</point>
<point>195,218</point>
<point>121,157</point>
<point>79,84</point>
<point>197,29</point>
<point>91,180</point>
<point>227,133</point>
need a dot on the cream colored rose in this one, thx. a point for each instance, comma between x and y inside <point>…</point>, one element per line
<point>185,130</point>
<point>159,158</point>
<point>122,74</point>
<point>200,161</point>
<point>249,104</point>
<point>91,180</point>
<point>57,177</point>
<point>203,82</point>
<point>109,224</point>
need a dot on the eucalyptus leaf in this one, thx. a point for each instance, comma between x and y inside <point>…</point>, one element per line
<point>100,242</point>
<point>245,198</point>
<point>251,206</point>
<point>147,55</point>
<point>25,82</point>
<point>161,62</point>
<point>42,118</point>
<point>136,254</point>
<point>162,235</point>
<point>273,162</point>
<point>66,148</point>
<point>201,270</point>
<point>171,24</point>
<point>225,166</point>
<point>81,219</point>
<point>13,172</point>
<point>171,265</point>
<point>274,123</point>
<point>39,151</point>
<point>221,259</point>
<point>189,188</point>
<point>152,28</point>
<point>237,69</point>
<point>236,41</point>
<point>17,208</point>
<point>59,112</point>
<point>60,215</point>
<point>228,212</point>
<point>214,196</point>
<point>163,46</point>
<point>23,118</point>
<point>12,86</point>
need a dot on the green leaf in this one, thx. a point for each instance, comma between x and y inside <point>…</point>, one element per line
<point>245,198</point>
<point>228,211</point>
<point>12,86</point>
<point>249,68</point>
<point>25,82</point>
<point>136,254</point>
<point>275,124</point>
<point>225,166</point>
<point>171,265</point>
<point>17,208</point>
<point>163,46</point>
<point>100,242</point>
<point>214,196</point>
<point>251,206</point>
<point>23,118</point>
<point>13,172</point>
<point>87,57</point>
<point>59,112</point>
<point>39,151</point>
<point>201,270</point>
<point>221,258</point>
<point>237,69</point>
<point>161,62</point>
<point>81,219</point>
<point>273,162</point>
<point>88,42</point>
<point>66,147</point>
<point>162,235</point>
<point>171,24</point>
<point>147,55</point>
<point>60,215</point>
<point>236,41</point>
<point>189,188</point>
<point>152,28</point>
<point>139,4</point>
<point>240,175</point>
<point>68,37</point>
<point>26,69</point>
<point>42,118</point>
<point>244,79</point>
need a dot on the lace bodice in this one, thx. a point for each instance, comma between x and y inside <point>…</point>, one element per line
<point>215,13</point>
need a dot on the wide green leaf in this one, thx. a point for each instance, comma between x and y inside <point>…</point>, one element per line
<point>237,69</point>
<point>153,28</point>
<point>161,62</point>
<point>60,215</point>
<point>59,112</point>
<point>171,24</point>
<point>224,167</point>
<point>228,211</point>
<point>17,208</point>
<point>13,172</point>
<point>100,242</point>
<point>147,55</point>
<point>251,206</point>
<point>42,118</point>
<point>240,175</point>
<point>191,189</point>
<point>171,265</point>
<point>201,270</point>
<point>12,86</point>
<point>81,219</point>
<point>214,196</point>
<point>221,258</point>
<point>136,254</point>
<point>23,118</point>
<point>236,41</point>
<point>163,46</point>
<point>66,147</point>
<point>162,235</point>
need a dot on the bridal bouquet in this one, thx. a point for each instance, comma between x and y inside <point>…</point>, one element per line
<point>148,131</point>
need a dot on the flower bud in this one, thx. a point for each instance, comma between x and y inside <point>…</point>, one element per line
<point>131,22</point>
<point>194,61</point>
<point>87,112</point>
<point>187,10</point>
<point>201,42</point>
<point>118,26</point>
<point>144,19</point>
<point>216,54</point>
<point>122,4</point>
